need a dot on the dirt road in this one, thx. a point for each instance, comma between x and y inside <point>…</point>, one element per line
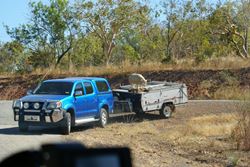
<point>12,141</point>
<point>197,135</point>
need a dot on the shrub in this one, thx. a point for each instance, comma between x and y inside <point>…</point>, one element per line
<point>241,132</point>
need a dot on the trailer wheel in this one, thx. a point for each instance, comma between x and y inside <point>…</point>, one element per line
<point>23,127</point>
<point>66,125</point>
<point>166,111</point>
<point>103,117</point>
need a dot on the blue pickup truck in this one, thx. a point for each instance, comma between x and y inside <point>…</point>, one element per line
<point>65,103</point>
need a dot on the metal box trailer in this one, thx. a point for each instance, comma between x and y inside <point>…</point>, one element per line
<point>154,95</point>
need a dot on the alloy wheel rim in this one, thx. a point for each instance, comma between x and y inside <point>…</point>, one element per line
<point>104,118</point>
<point>167,112</point>
<point>69,125</point>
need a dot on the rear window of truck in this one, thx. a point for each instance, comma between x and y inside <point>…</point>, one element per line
<point>88,87</point>
<point>102,86</point>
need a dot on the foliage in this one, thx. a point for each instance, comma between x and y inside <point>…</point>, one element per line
<point>13,58</point>
<point>108,20</point>
<point>241,132</point>
<point>79,33</point>
<point>50,31</point>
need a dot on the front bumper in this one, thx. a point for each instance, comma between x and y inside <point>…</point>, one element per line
<point>39,117</point>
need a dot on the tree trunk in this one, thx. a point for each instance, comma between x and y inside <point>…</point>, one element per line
<point>70,65</point>
<point>245,43</point>
<point>246,39</point>
<point>107,52</point>
<point>59,57</point>
<point>238,50</point>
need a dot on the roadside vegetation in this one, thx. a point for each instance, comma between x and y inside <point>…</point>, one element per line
<point>115,38</point>
<point>211,80</point>
<point>73,35</point>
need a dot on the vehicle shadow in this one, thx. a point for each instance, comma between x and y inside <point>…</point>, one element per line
<point>119,118</point>
<point>31,131</point>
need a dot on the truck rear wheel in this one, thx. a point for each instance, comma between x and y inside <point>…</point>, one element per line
<point>103,117</point>
<point>66,125</point>
<point>23,127</point>
<point>166,111</point>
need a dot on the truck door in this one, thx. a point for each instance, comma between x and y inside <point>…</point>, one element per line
<point>79,100</point>
<point>91,100</point>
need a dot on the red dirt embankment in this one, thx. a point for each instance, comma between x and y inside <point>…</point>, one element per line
<point>12,87</point>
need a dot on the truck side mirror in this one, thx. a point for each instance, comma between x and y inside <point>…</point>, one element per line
<point>29,92</point>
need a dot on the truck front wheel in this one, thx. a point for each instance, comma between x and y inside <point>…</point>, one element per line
<point>166,111</point>
<point>23,127</point>
<point>66,125</point>
<point>103,117</point>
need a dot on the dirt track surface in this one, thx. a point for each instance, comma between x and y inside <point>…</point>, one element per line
<point>13,141</point>
<point>154,143</point>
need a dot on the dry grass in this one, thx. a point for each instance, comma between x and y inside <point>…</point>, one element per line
<point>127,67</point>
<point>202,127</point>
<point>212,125</point>
<point>232,93</point>
<point>241,132</point>
<point>227,86</point>
<point>199,139</point>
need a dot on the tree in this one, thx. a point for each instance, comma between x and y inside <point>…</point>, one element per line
<point>87,51</point>
<point>146,45</point>
<point>231,22</point>
<point>51,29</point>
<point>194,37</point>
<point>243,16</point>
<point>13,57</point>
<point>108,19</point>
<point>175,12</point>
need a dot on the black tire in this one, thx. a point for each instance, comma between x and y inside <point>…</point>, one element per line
<point>103,117</point>
<point>140,115</point>
<point>166,111</point>
<point>66,125</point>
<point>23,127</point>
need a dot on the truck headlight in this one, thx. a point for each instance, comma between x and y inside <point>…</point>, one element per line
<point>17,104</point>
<point>25,105</point>
<point>36,106</point>
<point>54,105</point>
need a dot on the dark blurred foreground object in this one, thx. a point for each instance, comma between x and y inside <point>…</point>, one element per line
<point>70,155</point>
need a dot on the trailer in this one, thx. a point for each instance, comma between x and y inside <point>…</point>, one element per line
<point>150,96</point>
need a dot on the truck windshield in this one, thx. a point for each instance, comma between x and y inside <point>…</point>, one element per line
<point>54,88</point>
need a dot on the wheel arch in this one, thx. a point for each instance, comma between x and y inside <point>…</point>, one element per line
<point>72,114</point>
<point>170,104</point>
<point>106,107</point>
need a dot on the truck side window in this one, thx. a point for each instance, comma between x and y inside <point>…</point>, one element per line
<point>88,87</point>
<point>102,86</point>
<point>79,90</point>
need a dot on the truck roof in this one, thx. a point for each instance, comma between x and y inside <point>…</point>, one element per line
<point>74,79</point>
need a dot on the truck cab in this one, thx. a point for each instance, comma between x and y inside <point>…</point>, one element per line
<point>65,103</point>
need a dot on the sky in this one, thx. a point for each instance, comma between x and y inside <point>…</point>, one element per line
<point>16,12</point>
<point>13,13</point>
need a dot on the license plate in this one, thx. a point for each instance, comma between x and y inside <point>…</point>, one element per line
<point>31,118</point>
